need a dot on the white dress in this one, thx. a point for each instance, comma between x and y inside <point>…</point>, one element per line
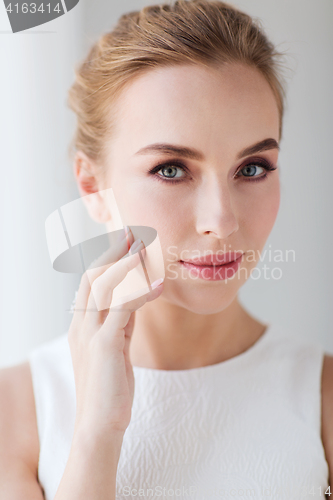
<point>247,427</point>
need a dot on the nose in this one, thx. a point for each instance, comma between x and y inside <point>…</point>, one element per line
<point>215,214</point>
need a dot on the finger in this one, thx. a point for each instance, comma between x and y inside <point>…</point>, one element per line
<point>103,286</point>
<point>97,267</point>
<point>116,250</point>
<point>136,303</point>
<point>128,330</point>
<point>130,325</point>
<point>118,325</point>
<point>81,298</point>
<point>112,332</point>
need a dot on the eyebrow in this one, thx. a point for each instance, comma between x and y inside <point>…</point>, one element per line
<point>194,154</point>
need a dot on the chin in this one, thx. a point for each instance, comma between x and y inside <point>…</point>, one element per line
<point>201,301</point>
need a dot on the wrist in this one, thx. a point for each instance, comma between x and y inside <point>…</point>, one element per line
<point>94,440</point>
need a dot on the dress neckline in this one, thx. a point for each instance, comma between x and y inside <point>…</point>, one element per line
<point>209,368</point>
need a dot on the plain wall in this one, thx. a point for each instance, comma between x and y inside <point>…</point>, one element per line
<point>36,128</point>
<point>37,67</point>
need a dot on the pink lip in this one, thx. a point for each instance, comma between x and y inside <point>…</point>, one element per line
<point>214,272</point>
<point>215,259</point>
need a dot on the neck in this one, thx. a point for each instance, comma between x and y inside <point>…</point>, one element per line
<point>169,337</point>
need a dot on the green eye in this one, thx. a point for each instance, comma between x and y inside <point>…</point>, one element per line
<point>170,172</point>
<point>248,171</point>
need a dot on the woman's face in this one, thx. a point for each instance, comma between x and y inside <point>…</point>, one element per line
<point>222,198</point>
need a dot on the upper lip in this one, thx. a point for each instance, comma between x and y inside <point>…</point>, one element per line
<point>214,259</point>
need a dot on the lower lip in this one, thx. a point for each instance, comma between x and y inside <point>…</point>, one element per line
<point>213,273</point>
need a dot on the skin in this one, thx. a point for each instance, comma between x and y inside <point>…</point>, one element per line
<point>193,322</point>
<point>203,322</point>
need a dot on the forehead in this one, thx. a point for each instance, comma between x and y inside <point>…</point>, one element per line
<point>230,107</point>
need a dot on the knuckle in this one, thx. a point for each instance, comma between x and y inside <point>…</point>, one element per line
<point>119,315</point>
<point>87,279</point>
<point>84,279</point>
<point>143,300</point>
<point>93,276</point>
<point>90,276</point>
<point>133,258</point>
<point>121,307</point>
<point>95,285</point>
<point>123,310</point>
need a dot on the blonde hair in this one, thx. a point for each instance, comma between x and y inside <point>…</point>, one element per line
<point>185,32</point>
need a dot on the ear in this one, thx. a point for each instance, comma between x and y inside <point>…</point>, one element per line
<point>88,181</point>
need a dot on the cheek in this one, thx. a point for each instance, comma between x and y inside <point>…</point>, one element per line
<point>142,206</point>
<point>261,213</point>
<point>147,200</point>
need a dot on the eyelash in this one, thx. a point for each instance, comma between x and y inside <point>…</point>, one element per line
<point>265,164</point>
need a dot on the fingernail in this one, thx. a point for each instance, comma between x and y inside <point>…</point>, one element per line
<point>128,236</point>
<point>157,283</point>
<point>135,246</point>
<point>128,230</point>
<point>124,234</point>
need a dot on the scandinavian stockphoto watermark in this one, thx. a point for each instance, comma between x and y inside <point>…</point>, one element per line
<point>78,244</point>
<point>249,267</point>
<point>23,15</point>
<point>277,491</point>
<point>252,264</point>
<point>187,491</point>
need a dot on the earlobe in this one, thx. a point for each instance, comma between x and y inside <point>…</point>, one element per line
<point>84,171</point>
<point>96,207</point>
<point>88,185</point>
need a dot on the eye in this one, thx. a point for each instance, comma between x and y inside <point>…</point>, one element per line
<point>175,172</point>
<point>171,172</point>
<point>250,170</point>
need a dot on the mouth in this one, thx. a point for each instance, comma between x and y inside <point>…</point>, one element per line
<point>214,267</point>
<point>215,259</point>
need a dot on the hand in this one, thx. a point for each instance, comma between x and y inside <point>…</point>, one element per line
<point>99,343</point>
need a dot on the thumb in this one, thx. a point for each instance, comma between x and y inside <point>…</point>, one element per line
<point>130,326</point>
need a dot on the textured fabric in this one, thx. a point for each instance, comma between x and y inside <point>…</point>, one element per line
<point>248,427</point>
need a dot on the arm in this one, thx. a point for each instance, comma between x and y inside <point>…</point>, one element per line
<point>92,465</point>
<point>99,342</point>
<point>91,468</point>
<point>327,413</point>
<point>19,445</point>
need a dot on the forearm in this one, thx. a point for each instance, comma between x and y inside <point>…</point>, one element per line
<point>91,469</point>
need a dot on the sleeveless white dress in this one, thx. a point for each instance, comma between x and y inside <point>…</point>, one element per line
<point>247,427</point>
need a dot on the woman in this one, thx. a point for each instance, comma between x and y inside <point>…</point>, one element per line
<point>179,110</point>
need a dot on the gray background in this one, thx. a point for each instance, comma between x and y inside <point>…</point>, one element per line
<point>36,174</point>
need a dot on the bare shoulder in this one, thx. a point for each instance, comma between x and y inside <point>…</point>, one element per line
<point>19,442</point>
<point>327,411</point>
